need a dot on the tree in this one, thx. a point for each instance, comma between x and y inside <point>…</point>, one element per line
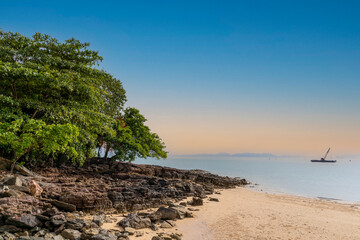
<point>57,101</point>
<point>133,138</point>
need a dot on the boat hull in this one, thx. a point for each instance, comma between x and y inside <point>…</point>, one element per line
<point>324,161</point>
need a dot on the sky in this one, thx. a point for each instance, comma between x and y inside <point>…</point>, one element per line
<point>279,77</point>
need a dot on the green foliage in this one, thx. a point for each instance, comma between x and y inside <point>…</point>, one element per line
<point>55,102</point>
<point>134,139</point>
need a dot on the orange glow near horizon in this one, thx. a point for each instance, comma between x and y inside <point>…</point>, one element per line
<point>257,135</point>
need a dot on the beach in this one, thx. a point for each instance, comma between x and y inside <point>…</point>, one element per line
<point>246,214</point>
<point>122,201</point>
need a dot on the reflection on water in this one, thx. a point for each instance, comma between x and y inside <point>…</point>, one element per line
<point>339,180</point>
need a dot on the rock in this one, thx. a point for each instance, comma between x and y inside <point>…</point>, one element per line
<point>62,205</point>
<point>88,233</point>
<point>157,238</point>
<point>139,234</point>
<point>167,224</point>
<point>76,224</point>
<point>70,216</point>
<point>10,193</point>
<point>51,212</point>
<point>214,199</point>
<point>58,219</point>
<point>35,229</point>
<point>154,227</point>
<point>197,201</point>
<point>23,234</point>
<point>176,236</point>
<point>42,218</point>
<point>130,230</point>
<point>134,221</point>
<point>104,236</point>
<point>49,236</point>
<point>193,209</point>
<point>16,181</point>
<point>166,213</point>
<point>71,234</point>
<point>34,189</point>
<point>99,219</point>
<point>189,214</point>
<point>8,236</point>
<point>59,229</point>
<point>41,233</point>
<point>26,221</point>
<point>58,237</point>
<point>164,236</point>
<point>180,211</point>
<point>10,229</point>
<point>104,185</point>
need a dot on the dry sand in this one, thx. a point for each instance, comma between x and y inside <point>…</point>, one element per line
<point>246,214</point>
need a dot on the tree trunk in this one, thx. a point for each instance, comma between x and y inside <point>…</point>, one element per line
<point>106,152</point>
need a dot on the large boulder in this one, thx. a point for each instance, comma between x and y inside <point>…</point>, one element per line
<point>24,221</point>
<point>180,211</point>
<point>197,201</point>
<point>34,189</point>
<point>99,219</point>
<point>133,220</point>
<point>14,180</point>
<point>76,224</point>
<point>166,213</point>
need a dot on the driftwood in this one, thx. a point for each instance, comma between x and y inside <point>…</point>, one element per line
<point>5,164</point>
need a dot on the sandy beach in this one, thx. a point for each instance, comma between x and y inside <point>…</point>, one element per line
<point>247,214</point>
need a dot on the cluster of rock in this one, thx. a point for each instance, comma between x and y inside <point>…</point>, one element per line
<point>126,187</point>
<point>164,217</point>
<point>52,205</point>
<point>52,224</point>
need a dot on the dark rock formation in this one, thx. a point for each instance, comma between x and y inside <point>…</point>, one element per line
<point>133,220</point>
<point>197,201</point>
<point>104,185</point>
<point>24,221</point>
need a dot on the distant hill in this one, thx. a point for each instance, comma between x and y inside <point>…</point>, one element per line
<point>230,155</point>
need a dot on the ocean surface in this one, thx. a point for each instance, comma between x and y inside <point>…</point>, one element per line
<point>298,176</point>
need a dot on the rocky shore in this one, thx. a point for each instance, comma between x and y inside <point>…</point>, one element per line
<point>74,203</point>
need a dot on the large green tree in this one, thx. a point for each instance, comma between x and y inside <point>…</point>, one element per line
<point>56,103</point>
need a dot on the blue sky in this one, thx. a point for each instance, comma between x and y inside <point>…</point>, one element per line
<point>223,76</point>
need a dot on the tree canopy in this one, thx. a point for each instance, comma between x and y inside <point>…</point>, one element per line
<point>56,103</point>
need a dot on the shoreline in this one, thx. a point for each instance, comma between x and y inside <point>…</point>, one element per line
<point>258,188</point>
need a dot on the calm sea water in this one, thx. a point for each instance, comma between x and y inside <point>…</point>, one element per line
<point>338,181</point>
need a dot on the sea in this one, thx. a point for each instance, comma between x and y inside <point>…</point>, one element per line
<point>338,181</point>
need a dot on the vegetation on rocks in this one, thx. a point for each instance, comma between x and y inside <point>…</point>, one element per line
<point>57,105</point>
